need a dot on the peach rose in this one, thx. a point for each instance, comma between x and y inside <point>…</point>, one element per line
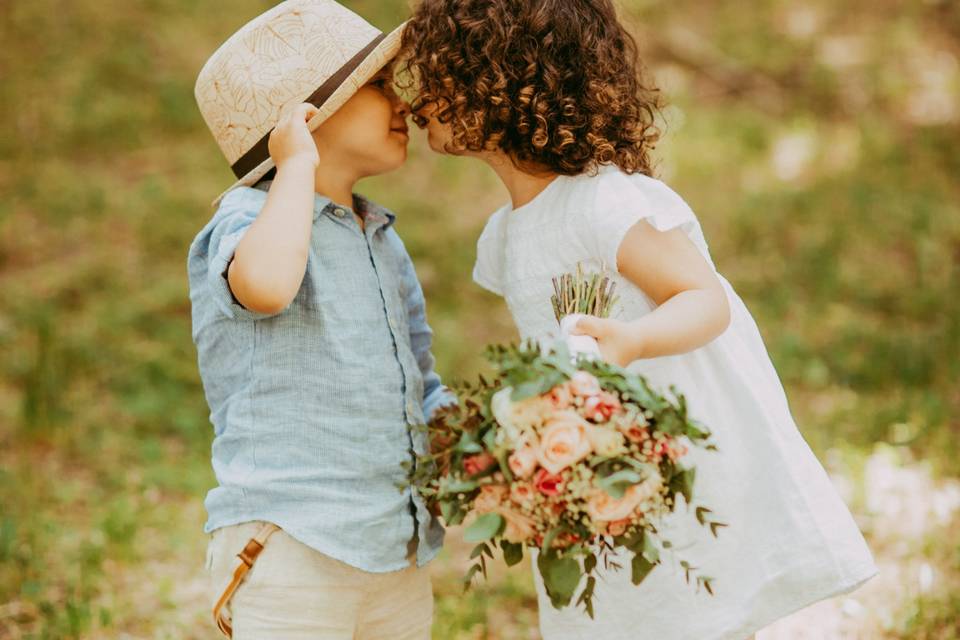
<point>618,527</point>
<point>584,384</point>
<point>563,442</point>
<point>523,461</point>
<point>606,442</point>
<point>519,528</point>
<point>490,498</point>
<point>602,507</point>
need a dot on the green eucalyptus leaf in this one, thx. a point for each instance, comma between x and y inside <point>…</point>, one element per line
<point>589,563</point>
<point>512,552</point>
<point>616,484</point>
<point>650,551</point>
<point>561,575</point>
<point>485,527</point>
<point>640,567</point>
<point>455,485</point>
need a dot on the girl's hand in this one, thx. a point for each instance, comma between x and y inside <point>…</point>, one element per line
<point>618,340</point>
<point>291,140</point>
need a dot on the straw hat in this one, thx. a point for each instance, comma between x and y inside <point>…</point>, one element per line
<point>313,51</point>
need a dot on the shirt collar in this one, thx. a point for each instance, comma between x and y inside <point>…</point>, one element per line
<point>373,213</point>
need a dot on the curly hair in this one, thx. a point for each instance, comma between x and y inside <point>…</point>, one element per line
<point>555,84</point>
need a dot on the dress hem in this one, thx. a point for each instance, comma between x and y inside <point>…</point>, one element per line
<point>845,587</point>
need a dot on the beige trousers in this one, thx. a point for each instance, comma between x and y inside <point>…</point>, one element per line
<point>296,593</point>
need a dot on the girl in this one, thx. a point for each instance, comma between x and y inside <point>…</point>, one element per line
<point>548,94</point>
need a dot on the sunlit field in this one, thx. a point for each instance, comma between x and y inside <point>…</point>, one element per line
<point>817,142</point>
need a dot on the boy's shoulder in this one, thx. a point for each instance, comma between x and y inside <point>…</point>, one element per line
<point>242,199</point>
<point>238,207</point>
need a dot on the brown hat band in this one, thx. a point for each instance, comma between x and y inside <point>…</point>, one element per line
<point>261,151</point>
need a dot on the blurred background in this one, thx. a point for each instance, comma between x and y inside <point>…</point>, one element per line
<point>816,139</point>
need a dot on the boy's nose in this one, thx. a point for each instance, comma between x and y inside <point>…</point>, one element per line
<point>402,107</point>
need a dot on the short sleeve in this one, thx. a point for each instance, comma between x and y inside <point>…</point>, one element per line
<point>237,212</point>
<point>488,269</point>
<point>621,201</point>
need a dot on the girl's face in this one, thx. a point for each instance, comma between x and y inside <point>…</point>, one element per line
<point>438,134</point>
<point>370,130</point>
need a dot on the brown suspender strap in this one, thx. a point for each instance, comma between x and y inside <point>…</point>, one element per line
<point>248,555</point>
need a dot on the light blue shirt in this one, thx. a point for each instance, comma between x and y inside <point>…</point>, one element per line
<point>311,407</point>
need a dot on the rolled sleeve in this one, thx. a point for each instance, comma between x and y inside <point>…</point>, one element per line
<point>227,230</point>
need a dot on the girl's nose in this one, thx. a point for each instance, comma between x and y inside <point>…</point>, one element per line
<point>401,107</point>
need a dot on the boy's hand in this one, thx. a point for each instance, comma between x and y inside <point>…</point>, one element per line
<point>291,139</point>
<point>618,340</point>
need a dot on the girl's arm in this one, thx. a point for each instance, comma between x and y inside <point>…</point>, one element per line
<point>692,307</point>
<point>271,258</point>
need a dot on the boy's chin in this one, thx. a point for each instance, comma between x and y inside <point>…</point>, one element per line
<point>392,159</point>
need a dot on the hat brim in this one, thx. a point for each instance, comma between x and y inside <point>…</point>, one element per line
<point>371,65</point>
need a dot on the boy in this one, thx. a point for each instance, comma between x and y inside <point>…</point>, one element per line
<point>312,339</point>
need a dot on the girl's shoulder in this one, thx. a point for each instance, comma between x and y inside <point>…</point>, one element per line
<point>488,269</point>
<point>494,228</point>
<point>610,202</point>
<point>610,185</point>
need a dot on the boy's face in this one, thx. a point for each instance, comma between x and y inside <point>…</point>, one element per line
<point>370,130</point>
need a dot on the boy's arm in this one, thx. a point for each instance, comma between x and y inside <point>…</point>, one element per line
<point>435,394</point>
<point>271,258</point>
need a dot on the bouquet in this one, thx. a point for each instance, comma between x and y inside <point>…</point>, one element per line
<point>566,454</point>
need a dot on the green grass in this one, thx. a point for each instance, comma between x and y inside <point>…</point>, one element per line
<point>850,262</point>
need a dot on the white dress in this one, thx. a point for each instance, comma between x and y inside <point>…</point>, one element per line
<point>791,540</point>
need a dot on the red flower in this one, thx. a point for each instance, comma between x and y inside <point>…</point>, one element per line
<point>549,484</point>
<point>478,463</point>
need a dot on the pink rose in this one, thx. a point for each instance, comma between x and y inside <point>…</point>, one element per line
<point>490,498</point>
<point>478,463</point>
<point>601,407</point>
<point>519,528</point>
<point>560,396</point>
<point>523,461</point>
<point>584,384</point>
<point>633,431</point>
<point>563,442</point>
<point>547,483</point>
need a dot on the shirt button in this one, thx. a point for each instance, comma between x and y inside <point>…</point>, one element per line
<point>339,212</point>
